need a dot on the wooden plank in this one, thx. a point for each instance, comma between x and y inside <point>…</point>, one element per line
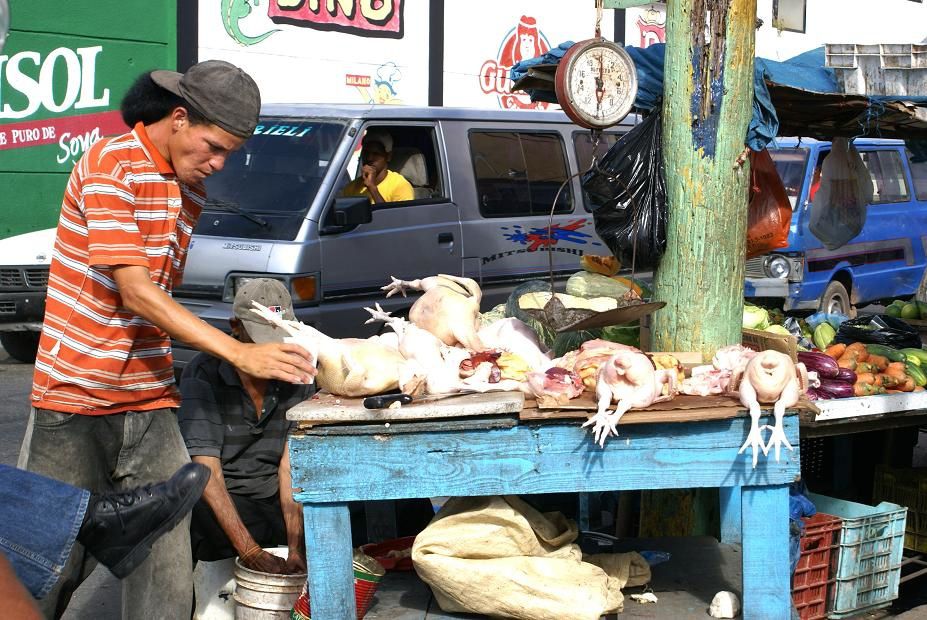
<point>870,405</point>
<point>327,408</point>
<point>766,575</point>
<point>731,527</point>
<point>463,424</point>
<point>329,553</point>
<point>529,459</point>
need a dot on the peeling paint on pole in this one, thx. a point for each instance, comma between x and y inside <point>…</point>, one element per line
<point>708,94</point>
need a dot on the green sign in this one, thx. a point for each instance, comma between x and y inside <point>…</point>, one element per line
<point>63,72</point>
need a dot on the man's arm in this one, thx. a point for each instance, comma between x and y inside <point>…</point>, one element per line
<point>287,362</point>
<point>292,517</point>
<point>17,601</point>
<point>218,499</point>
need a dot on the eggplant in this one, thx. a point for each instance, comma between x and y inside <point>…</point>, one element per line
<point>823,364</point>
<point>846,375</point>
<point>832,388</point>
<point>814,394</point>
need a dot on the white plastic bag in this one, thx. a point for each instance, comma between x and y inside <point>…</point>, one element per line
<point>838,211</point>
<point>500,557</point>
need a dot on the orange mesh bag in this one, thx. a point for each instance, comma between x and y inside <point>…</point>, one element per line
<point>770,212</point>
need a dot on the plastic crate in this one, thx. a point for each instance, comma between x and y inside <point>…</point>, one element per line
<point>812,578</point>
<point>905,487</point>
<point>868,568</point>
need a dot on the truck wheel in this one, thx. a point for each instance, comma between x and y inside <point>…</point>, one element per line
<point>22,346</point>
<point>836,299</point>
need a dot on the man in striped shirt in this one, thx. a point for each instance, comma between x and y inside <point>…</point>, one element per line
<point>103,394</point>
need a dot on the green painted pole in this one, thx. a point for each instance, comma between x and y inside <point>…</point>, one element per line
<point>708,95</point>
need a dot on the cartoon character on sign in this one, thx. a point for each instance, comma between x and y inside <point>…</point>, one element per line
<point>652,25</point>
<point>520,43</point>
<point>384,87</point>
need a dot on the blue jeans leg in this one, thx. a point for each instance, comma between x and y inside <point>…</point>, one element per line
<point>39,521</point>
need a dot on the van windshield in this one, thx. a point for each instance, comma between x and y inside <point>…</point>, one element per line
<point>790,163</point>
<point>267,186</point>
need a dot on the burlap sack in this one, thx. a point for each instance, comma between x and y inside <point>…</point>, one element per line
<point>500,557</point>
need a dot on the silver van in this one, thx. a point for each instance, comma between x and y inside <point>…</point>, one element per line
<point>484,184</point>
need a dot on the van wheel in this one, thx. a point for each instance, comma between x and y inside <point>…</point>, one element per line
<point>22,346</point>
<point>836,299</point>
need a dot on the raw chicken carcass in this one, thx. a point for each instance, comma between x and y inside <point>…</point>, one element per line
<point>629,379</point>
<point>770,377</point>
<point>348,367</point>
<point>592,354</point>
<point>449,309</point>
<point>705,381</point>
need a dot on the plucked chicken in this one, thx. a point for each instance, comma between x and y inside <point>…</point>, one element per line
<point>770,377</point>
<point>349,367</point>
<point>629,379</point>
<point>449,309</point>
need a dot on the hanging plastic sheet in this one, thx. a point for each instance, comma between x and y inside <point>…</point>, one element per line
<point>838,211</point>
<point>628,194</point>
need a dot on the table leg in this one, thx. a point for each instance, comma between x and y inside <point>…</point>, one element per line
<point>730,515</point>
<point>329,553</point>
<point>766,577</point>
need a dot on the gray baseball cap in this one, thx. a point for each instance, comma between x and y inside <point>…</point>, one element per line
<point>267,292</point>
<point>227,96</point>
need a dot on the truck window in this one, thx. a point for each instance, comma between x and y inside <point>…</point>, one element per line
<point>518,173</point>
<point>267,186</point>
<point>790,164</point>
<point>582,144</point>
<point>919,174</point>
<point>888,179</point>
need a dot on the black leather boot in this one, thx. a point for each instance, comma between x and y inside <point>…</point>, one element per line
<point>119,528</point>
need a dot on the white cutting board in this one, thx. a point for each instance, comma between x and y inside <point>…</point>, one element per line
<point>324,407</point>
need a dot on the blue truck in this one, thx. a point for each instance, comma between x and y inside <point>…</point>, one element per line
<point>885,261</point>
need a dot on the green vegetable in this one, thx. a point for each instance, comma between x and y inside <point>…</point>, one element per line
<point>755,317</point>
<point>545,335</point>
<point>893,355</point>
<point>824,335</point>
<point>586,284</point>
<point>778,329</point>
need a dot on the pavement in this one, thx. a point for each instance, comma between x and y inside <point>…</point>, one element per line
<point>99,597</point>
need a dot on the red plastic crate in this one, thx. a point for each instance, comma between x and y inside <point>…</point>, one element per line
<point>812,576</point>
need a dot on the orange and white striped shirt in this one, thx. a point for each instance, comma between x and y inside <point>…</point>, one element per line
<point>123,206</point>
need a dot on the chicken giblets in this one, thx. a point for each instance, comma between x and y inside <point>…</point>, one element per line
<point>770,377</point>
<point>449,309</point>
<point>629,379</point>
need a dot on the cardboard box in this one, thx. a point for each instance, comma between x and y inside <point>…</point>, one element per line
<point>767,341</point>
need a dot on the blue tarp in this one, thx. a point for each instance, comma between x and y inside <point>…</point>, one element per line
<point>796,97</point>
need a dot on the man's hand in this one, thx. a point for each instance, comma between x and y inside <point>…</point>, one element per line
<point>286,362</point>
<point>265,562</point>
<point>295,563</point>
<point>369,175</point>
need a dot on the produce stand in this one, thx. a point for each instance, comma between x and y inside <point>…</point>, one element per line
<point>533,452</point>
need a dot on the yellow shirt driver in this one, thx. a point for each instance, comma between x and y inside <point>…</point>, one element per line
<point>377,181</point>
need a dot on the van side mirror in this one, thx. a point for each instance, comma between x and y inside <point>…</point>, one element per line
<point>352,211</point>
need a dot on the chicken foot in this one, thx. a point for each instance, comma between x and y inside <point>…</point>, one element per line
<point>606,423</point>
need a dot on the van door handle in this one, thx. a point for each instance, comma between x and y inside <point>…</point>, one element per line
<point>446,240</point>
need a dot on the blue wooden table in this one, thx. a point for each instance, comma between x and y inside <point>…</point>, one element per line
<point>337,464</point>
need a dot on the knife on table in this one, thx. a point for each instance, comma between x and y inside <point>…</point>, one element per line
<point>382,401</point>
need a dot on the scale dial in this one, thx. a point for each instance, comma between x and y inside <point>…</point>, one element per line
<point>596,83</point>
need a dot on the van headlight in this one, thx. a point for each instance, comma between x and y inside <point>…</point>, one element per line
<point>303,288</point>
<point>777,266</point>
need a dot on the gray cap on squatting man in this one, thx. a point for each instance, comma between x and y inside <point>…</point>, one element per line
<point>267,292</point>
<point>224,94</point>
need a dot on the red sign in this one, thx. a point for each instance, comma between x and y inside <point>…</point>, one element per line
<point>74,134</point>
<point>521,43</point>
<point>370,18</point>
<point>357,80</point>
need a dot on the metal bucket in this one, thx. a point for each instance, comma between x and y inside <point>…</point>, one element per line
<point>265,596</point>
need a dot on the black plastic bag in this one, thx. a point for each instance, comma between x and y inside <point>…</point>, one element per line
<point>879,329</point>
<point>627,190</point>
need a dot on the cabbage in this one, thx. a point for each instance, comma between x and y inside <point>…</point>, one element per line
<point>512,310</point>
<point>778,329</point>
<point>755,317</point>
<point>488,318</point>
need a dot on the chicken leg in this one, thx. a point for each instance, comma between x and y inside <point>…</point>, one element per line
<point>449,309</point>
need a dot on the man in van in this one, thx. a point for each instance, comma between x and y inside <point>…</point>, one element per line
<point>103,393</point>
<point>376,180</point>
<point>235,424</point>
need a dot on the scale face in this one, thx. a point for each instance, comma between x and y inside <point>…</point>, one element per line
<point>596,83</point>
